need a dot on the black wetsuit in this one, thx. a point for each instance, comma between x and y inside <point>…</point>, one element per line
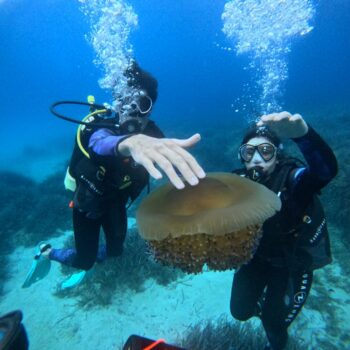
<point>275,284</point>
<point>100,201</point>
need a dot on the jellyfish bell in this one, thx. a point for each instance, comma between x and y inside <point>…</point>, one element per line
<point>218,222</point>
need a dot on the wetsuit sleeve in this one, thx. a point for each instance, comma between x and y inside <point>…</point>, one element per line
<point>104,142</point>
<point>321,167</point>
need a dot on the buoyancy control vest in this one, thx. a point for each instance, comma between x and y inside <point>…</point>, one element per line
<point>96,180</point>
<point>299,232</point>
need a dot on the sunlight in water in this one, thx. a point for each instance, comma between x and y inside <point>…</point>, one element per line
<point>264,29</point>
<point>111,22</point>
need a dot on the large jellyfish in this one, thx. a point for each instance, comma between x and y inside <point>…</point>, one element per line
<point>217,223</point>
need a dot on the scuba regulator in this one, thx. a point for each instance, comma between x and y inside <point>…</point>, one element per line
<point>256,174</point>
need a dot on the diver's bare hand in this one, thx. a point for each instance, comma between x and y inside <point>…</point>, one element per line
<point>284,124</point>
<point>167,154</point>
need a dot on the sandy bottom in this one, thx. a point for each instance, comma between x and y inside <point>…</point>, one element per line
<point>157,312</point>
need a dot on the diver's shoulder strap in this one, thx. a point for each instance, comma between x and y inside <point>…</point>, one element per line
<point>286,169</point>
<point>283,175</point>
<point>153,130</point>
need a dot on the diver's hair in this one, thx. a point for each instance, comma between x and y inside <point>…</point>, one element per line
<point>143,80</point>
<point>261,131</point>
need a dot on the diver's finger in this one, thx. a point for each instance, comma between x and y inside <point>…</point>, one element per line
<point>266,119</point>
<point>191,161</point>
<point>296,117</point>
<point>181,165</point>
<point>189,142</point>
<point>167,166</point>
<point>149,166</point>
<point>282,116</point>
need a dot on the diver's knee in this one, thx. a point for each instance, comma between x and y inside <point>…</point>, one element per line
<point>241,316</point>
<point>240,313</point>
<point>85,265</point>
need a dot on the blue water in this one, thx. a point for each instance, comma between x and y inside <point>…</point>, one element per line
<point>44,57</point>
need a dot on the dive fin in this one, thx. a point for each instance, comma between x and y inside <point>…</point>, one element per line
<point>74,280</point>
<point>40,267</point>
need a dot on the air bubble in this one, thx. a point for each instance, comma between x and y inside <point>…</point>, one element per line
<point>264,30</point>
<point>110,25</point>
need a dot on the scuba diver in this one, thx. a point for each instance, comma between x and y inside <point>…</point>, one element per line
<point>114,155</point>
<point>275,284</point>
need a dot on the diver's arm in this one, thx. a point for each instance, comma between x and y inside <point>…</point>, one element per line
<point>321,167</point>
<point>321,161</point>
<point>322,164</point>
<point>168,154</point>
<point>104,142</point>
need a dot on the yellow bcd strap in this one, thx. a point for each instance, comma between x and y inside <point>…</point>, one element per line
<point>89,118</point>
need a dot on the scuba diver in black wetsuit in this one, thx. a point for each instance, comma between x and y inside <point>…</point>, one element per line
<point>275,284</point>
<point>111,164</point>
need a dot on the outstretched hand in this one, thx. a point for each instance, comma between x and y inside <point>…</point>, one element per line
<point>167,154</point>
<point>284,124</point>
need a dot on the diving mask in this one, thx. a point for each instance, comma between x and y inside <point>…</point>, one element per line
<point>139,104</point>
<point>266,150</point>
